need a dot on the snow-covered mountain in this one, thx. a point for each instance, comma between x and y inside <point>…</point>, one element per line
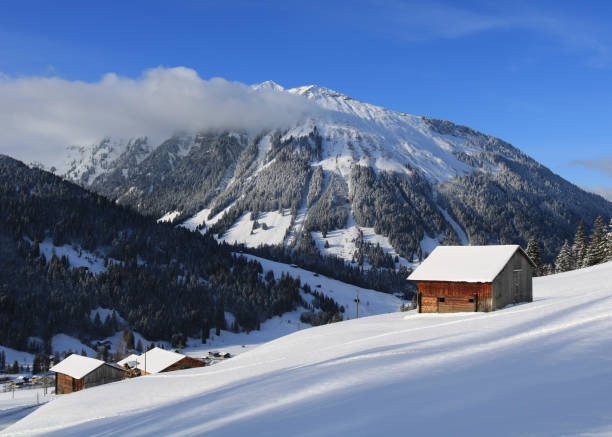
<point>540,369</point>
<point>344,179</point>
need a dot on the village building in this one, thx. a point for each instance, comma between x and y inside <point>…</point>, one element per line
<point>130,362</point>
<point>78,372</point>
<point>473,278</point>
<point>159,360</point>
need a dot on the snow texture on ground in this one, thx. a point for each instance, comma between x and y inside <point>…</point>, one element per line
<point>17,404</point>
<point>12,355</point>
<point>76,256</point>
<point>201,219</point>
<point>242,231</point>
<point>372,302</point>
<point>342,242</point>
<point>168,217</point>
<point>23,398</point>
<point>542,368</point>
<point>63,342</point>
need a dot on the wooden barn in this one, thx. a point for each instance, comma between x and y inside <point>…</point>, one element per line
<point>77,373</point>
<point>159,360</point>
<point>473,278</point>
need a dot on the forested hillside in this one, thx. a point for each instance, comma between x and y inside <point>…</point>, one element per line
<point>166,282</point>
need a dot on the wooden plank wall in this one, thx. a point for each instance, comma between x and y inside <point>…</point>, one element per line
<point>457,305</point>
<point>65,384</point>
<point>103,375</point>
<point>503,285</point>
<point>456,295</point>
<point>185,363</point>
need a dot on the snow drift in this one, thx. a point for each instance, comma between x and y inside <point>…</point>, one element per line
<point>540,369</point>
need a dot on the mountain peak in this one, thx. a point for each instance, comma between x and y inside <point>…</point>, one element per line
<point>268,85</point>
<point>313,91</point>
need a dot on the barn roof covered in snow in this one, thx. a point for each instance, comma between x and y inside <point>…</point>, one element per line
<point>465,263</point>
<point>158,359</point>
<point>77,366</point>
<point>129,360</point>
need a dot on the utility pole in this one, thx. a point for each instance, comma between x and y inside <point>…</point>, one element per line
<point>357,303</point>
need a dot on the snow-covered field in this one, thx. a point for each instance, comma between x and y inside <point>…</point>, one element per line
<point>543,368</point>
<point>19,403</point>
<point>24,398</point>
<point>242,231</point>
<point>342,242</point>
<point>372,302</point>
<point>76,256</point>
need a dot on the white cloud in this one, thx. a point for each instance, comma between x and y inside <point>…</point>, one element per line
<point>604,165</point>
<point>41,116</point>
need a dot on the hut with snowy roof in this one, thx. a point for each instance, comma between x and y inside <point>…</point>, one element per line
<point>473,278</point>
<point>129,362</point>
<point>77,372</point>
<point>159,360</point>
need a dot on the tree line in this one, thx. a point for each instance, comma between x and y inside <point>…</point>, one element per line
<point>581,252</point>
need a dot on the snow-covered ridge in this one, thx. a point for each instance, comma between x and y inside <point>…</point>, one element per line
<point>385,139</point>
<point>543,362</point>
<point>360,131</point>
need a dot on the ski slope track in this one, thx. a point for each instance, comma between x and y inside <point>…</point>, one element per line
<point>543,368</point>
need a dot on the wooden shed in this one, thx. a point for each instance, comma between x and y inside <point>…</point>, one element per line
<point>473,278</point>
<point>159,360</point>
<point>77,373</point>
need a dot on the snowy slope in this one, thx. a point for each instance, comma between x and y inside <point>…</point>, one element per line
<point>358,132</point>
<point>542,368</point>
<point>372,302</point>
<point>242,231</point>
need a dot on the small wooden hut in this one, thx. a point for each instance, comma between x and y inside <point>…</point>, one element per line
<point>77,373</point>
<point>159,360</point>
<point>473,278</point>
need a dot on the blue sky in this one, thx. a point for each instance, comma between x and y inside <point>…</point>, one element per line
<point>538,75</point>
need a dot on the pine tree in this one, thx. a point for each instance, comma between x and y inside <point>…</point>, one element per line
<point>36,248</point>
<point>205,331</point>
<point>564,261</point>
<point>2,360</point>
<point>596,251</point>
<point>579,247</point>
<point>139,346</point>
<point>219,317</point>
<point>97,325</point>
<point>533,252</point>
<point>36,365</point>
<point>129,339</point>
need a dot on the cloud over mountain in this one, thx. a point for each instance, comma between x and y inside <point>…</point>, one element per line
<point>39,114</point>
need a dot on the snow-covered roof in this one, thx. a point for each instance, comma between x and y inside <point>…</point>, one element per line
<point>158,359</point>
<point>465,263</point>
<point>77,366</point>
<point>133,358</point>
